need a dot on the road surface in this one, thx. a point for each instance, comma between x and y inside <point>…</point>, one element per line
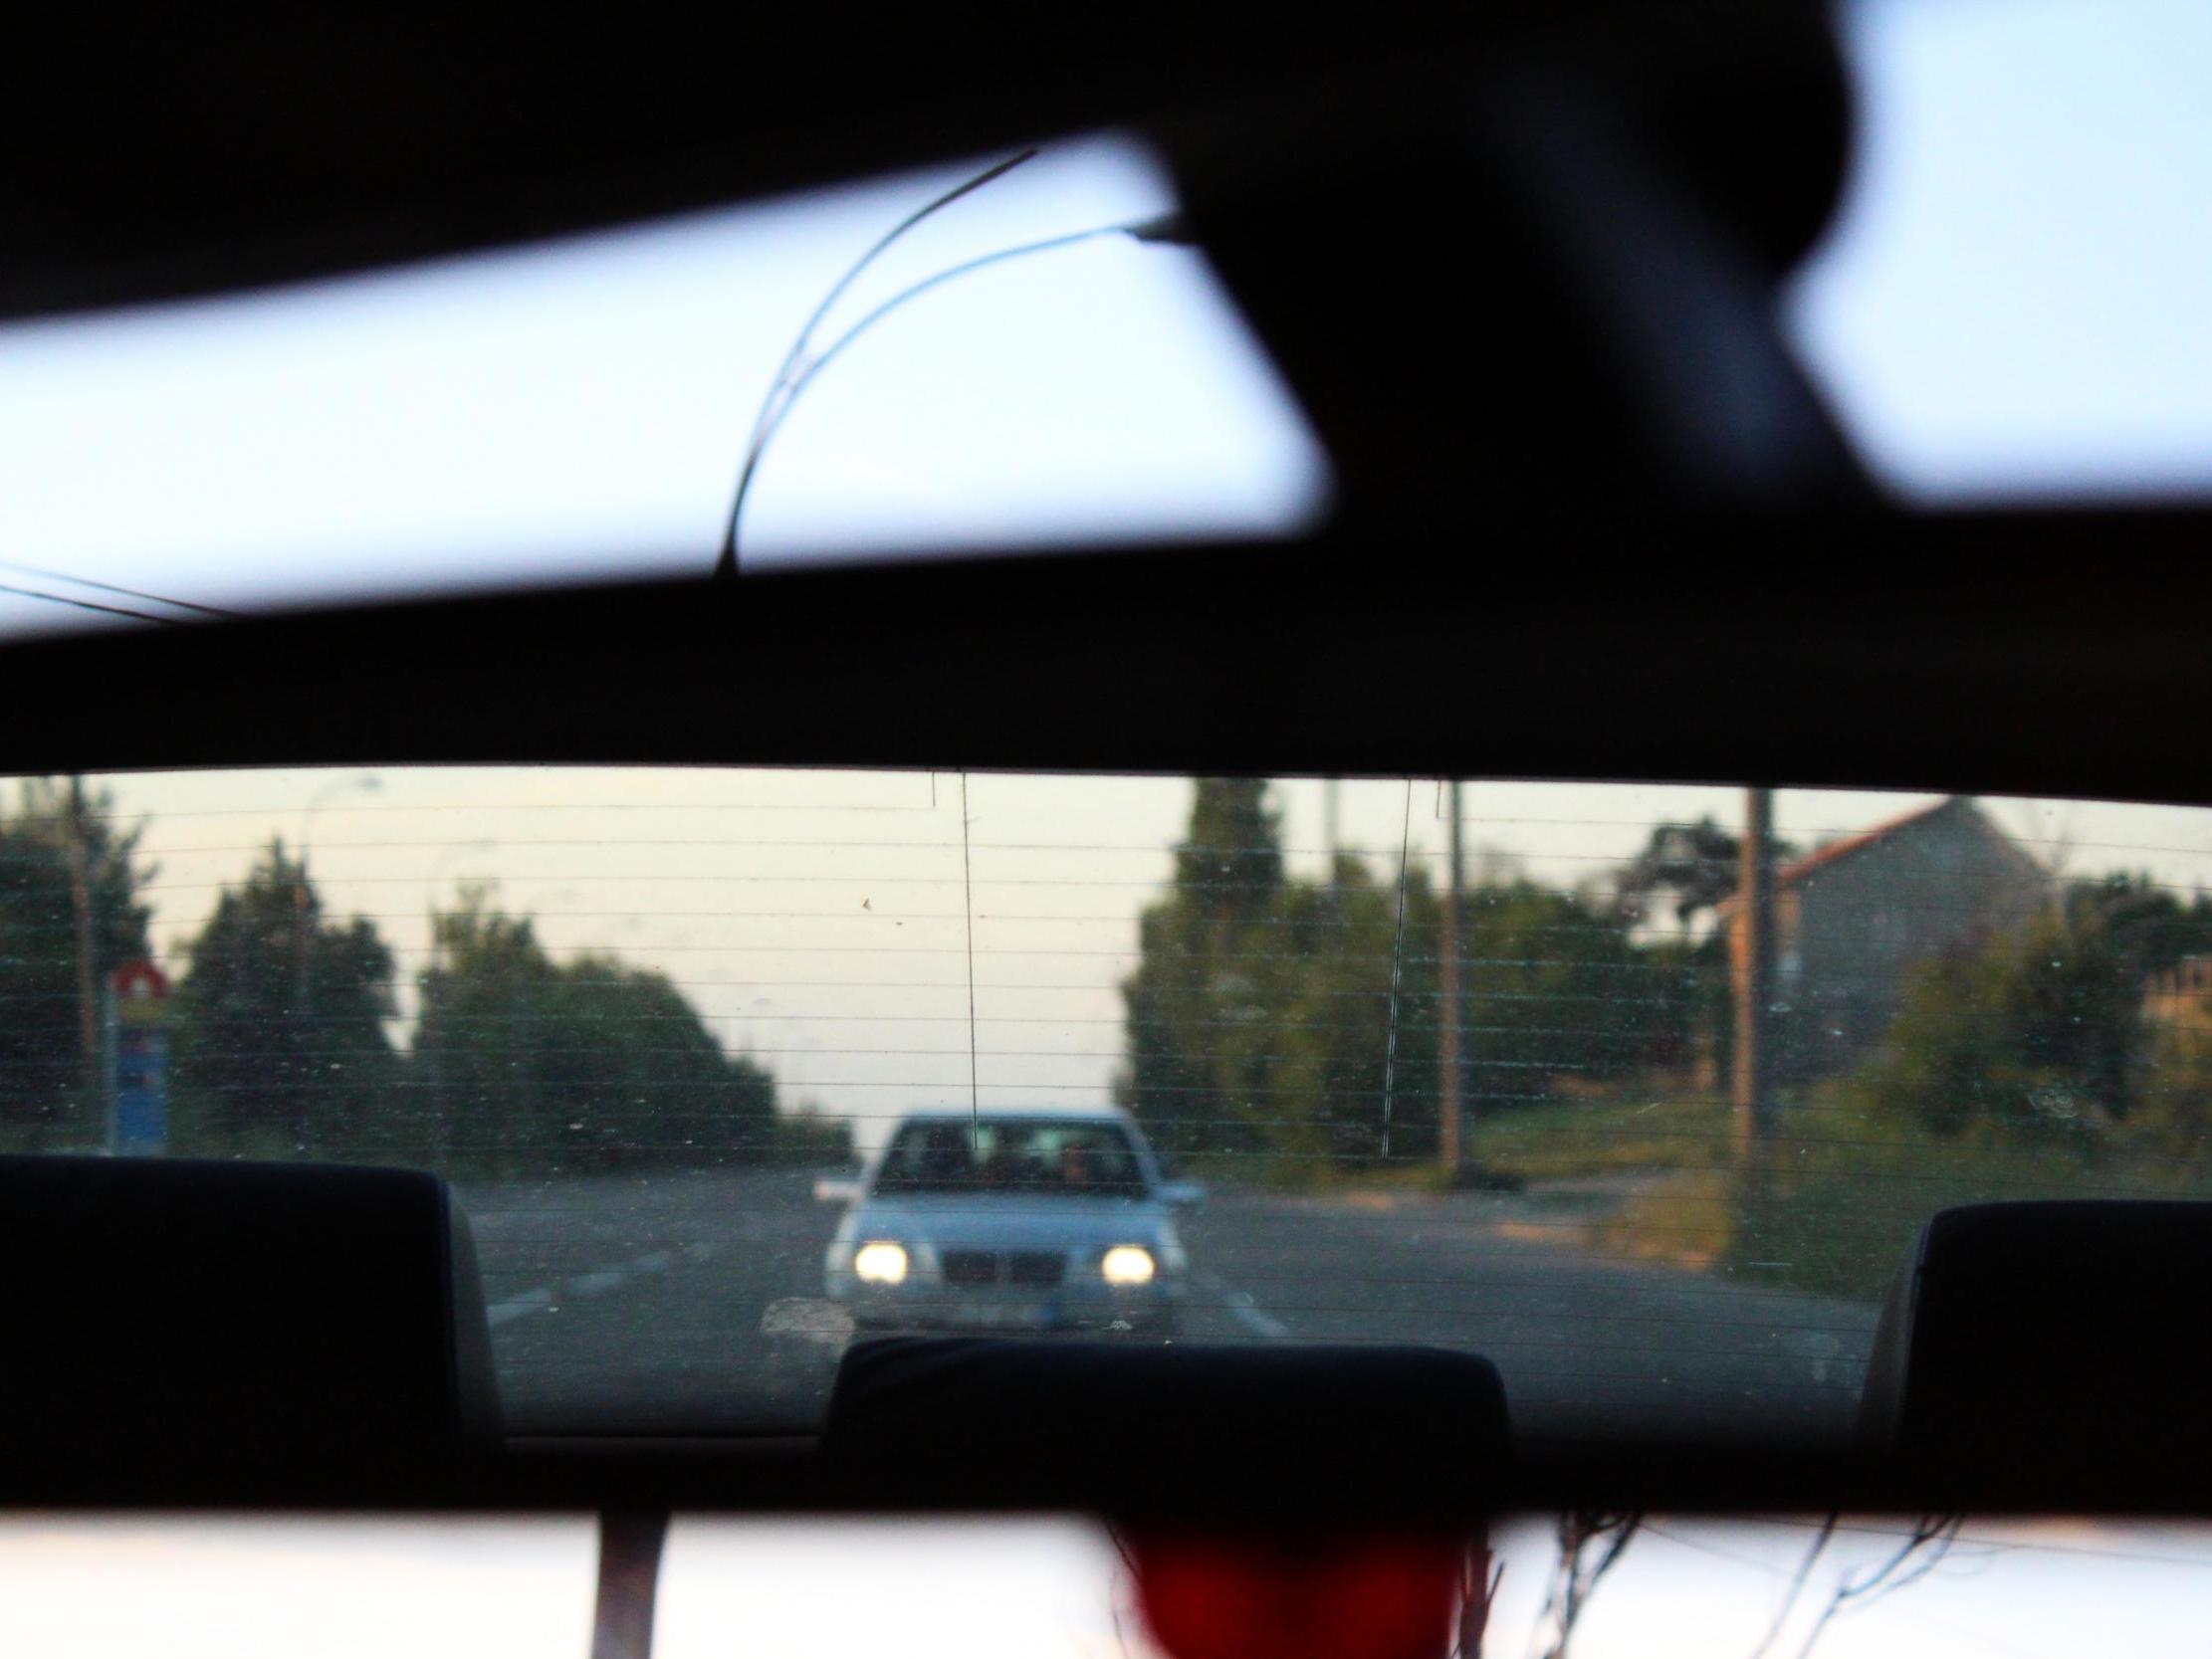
<point>692,1302</point>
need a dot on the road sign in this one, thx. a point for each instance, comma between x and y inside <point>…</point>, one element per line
<point>137,1060</point>
<point>140,989</point>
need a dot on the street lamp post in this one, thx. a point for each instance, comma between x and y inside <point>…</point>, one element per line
<point>1450,1071</point>
<point>1753,968</point>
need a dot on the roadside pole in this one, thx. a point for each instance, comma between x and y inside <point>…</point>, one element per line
<point>1451,1127</point>
<point>80,909</point>
<point>1329,826</point>
<point>138,1061</point>
<point>1752,958</point>
<point>429,1046</point>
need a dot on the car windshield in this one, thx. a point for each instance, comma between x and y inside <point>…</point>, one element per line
<point>1526,1070</point>
<point>950,1155</point>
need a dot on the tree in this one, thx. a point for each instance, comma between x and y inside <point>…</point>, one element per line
<point>1302,1020</point>
<point>1230,862</point>
<point>2038,1030</point>
<point>1357,1046</point>
<point>2174,1092</point>
<point>1696,865</point>
<point>1694,868</point>
<point>43,1095</point>
<point>279,1039</point>
<point>1202,1004</point>
<point>522,1063</point>
<point>1555,987</point>
<point>809,1134</point>
<point>2149,926</point>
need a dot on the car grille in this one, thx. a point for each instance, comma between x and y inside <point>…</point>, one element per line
<point>1034,1269</point>
<point>971,1267</point>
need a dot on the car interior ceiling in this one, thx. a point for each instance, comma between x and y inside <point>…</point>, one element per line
<point>1632,180</point>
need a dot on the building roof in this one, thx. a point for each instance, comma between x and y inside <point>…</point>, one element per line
<point>1834,852</point>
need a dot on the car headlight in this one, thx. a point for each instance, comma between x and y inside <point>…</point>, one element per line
<point>880,1263</point>
<point>1128,1264</point>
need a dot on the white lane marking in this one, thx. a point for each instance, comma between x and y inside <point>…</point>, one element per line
<point>515,1307</point>
<point>809,1317</point>
<point>596,1282</point>
<point>1243,1309</point>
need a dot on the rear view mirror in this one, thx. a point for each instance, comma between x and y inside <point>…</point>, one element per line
<point>837,1189</point>
<point>1185,1195</point>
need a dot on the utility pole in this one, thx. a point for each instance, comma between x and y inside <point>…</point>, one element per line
<point>81,906</point>
<point>1752,958</point>
<point>429,1046</point>
<point>1451,1128</point>
<point>1329,825</point>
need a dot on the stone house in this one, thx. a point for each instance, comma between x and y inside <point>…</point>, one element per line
<point>1854,917</point>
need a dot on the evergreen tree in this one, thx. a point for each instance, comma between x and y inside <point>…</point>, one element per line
<point>525,1064</point>
<point>281,1043</point>
<point>44,1098</point>
<point>1202,1003</point>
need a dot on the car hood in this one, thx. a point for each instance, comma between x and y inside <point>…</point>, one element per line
<point>1015,1222</point>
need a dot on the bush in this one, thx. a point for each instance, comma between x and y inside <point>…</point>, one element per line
<point>2035,1033</point>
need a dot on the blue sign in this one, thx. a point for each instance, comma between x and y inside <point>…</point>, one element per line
<point>137,1059</point>
<point>141,1122</point>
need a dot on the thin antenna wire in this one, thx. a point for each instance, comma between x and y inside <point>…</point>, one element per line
<point>781,387</point>
<point>797,352</point>
<point>764,435</point>
<point>1397,959</point>
<point>112,587</point>
<point>84,604</point>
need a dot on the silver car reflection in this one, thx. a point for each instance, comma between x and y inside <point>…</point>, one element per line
<point>1011,1221</point>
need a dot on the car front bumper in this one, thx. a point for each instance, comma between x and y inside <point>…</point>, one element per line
<point>924,1306</point>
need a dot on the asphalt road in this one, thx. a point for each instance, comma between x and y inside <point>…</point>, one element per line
<point>692,1302</point>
